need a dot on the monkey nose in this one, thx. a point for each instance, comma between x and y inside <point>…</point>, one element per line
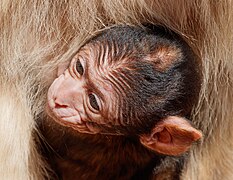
<point>65,112</point>
<point>60,103</point>
<point>57,105</point>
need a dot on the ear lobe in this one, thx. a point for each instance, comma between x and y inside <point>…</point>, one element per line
<point>173,136</point>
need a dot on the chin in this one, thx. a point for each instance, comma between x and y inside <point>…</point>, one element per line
<point>81,127</point>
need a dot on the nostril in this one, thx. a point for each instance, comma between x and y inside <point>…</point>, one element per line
<point>60,106</point>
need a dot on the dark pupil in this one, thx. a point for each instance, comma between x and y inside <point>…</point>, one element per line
<point>93,102</point>
<point>79,67</point>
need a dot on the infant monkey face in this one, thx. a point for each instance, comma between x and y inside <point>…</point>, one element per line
<point>77,98</point>
<point>135,83</point>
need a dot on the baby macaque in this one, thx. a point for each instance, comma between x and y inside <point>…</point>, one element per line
<point>122,105</point>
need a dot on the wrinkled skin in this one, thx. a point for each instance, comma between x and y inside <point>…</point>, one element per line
<point>73,101</point>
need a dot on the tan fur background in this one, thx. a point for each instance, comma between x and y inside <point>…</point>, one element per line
<point>37,35</point>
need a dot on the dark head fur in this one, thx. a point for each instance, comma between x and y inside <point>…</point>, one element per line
<point>159,77</point>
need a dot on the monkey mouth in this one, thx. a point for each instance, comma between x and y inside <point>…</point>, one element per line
<point>64,112</point>
<point>74,121</point>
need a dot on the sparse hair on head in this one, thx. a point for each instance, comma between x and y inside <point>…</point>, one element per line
<point>152,69</point>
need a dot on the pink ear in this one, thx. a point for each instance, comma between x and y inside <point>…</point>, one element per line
<point>172,136</point>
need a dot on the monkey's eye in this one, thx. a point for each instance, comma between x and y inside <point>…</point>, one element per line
<point>93,101</point>
<point>79,67</point>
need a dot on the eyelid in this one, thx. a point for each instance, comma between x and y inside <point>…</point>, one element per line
<point>73,65</point>
<point>99,102</point>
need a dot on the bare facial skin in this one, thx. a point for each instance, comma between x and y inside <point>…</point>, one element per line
<point>76,102</point>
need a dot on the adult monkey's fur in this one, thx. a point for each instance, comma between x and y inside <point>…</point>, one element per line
<point>37,35</point>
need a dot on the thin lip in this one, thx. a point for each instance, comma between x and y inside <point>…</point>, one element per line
<point>51,105</point>
<point>74,126</point>
<point>50,112</point>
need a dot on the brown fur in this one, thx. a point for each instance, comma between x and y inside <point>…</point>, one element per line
<point>35,36</point>
<point>72,153</point>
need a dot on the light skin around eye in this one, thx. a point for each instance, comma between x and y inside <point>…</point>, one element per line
<point>79,67</point>
<point>93,102</point>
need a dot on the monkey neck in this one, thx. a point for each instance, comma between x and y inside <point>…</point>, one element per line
<point>74,154</point>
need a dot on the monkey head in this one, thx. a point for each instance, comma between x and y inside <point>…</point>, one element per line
<point>130,81</point>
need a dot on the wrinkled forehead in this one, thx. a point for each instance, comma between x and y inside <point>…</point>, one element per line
<point>106,63</point>
<point>104,55</point>
<point>97,60</point>
<point>103,73</point>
